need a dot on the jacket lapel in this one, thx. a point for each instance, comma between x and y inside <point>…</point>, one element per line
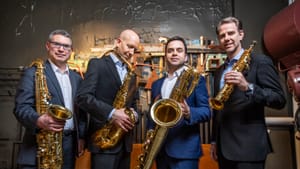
<point>157,89</point>
<point>52,81</point>
<point>112,68</point>
<point>73,83</point>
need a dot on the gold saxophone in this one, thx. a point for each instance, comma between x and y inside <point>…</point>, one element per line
<point>166,113</point>
<point>217,103</point>
<point>109,135</point>
<point>49,150</point>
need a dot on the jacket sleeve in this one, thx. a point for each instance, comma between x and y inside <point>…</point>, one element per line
<point>267,89</point>
<point>198,102</point>
<point>86,94</point>
<point>24,109</point>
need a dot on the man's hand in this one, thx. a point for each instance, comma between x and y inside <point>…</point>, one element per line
<point>236,78</point>
<point>185,109</point>
<point>81,144</point>
<point>121,119</point>
<point>47,122</point>
<point>213,151</point>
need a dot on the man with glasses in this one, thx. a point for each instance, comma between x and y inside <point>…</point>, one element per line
<point>62,84</point>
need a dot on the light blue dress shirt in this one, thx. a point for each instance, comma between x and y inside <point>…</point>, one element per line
<point>229,64</point>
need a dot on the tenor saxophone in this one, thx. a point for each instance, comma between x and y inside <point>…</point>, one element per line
<point>109,135</point>
<point>49,149</point>
<point>166,113</point>
<point>217,103</point>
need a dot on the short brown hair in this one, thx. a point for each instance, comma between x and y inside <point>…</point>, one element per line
<point>230,19</point>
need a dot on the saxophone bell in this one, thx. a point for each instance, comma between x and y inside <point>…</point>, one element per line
<point>109,135</point>
<point>166,112</point>
<point>59,112</point>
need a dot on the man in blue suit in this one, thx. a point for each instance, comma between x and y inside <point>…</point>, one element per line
<point>61,84</point>
<point>182,146</point>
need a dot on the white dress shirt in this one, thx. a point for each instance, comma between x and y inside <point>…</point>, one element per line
<point>170,82</point>
<point>66,88</point>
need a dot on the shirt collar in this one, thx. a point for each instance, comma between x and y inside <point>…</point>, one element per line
<point>177,72</point>
<point>235,58</point>
<point>56,69</point>
<point>115,59</point>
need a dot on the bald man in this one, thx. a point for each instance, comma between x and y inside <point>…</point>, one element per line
<point>96,95</point>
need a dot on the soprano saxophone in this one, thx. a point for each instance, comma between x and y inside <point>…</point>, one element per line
<point>109,135</point>
<point>217,103</point>
<point>166,113</point>
<point>49,150</point>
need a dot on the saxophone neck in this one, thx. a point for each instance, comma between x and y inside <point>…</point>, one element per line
<point>252,45</point>
<point>248,51</point>
<point>39,63</point>
<point>124,60</point>
<point>186,83</point>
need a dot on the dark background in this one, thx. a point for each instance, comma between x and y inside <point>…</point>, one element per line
<point>25,25</point>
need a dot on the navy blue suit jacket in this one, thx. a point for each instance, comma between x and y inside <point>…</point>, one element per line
<point>183,141</point>
<point>26,114</point>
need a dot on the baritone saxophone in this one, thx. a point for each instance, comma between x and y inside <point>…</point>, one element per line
<point>217,103</point>
<point>166,113</point>
<point>49,149</point>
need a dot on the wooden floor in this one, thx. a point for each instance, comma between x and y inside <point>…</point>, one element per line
<point>205,161</point>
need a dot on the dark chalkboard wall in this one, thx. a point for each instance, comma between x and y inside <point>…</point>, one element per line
<point>26,23</point>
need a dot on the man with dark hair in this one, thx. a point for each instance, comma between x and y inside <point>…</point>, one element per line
<point>182,146</point>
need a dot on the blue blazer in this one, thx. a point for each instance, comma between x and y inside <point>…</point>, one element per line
<point>26,114</point>
<point>183,141</point>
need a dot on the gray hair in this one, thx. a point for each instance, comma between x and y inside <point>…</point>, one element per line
<point>59,32</point>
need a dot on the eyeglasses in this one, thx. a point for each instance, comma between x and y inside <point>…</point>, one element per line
<point>58,45</point>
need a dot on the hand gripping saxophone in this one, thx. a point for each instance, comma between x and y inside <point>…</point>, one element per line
<point>49,150</point>
<point>166,113</point>
<point>217,103</point>
<point>109,135</point>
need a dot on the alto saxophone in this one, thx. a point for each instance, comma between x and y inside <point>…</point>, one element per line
<point>217,103</point>
<point>166,113</point>
<point>49,150</point>
<point>109,135</point>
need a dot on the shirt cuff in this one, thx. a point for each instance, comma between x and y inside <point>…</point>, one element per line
<point>110,114</point>
<point>250,90</point>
